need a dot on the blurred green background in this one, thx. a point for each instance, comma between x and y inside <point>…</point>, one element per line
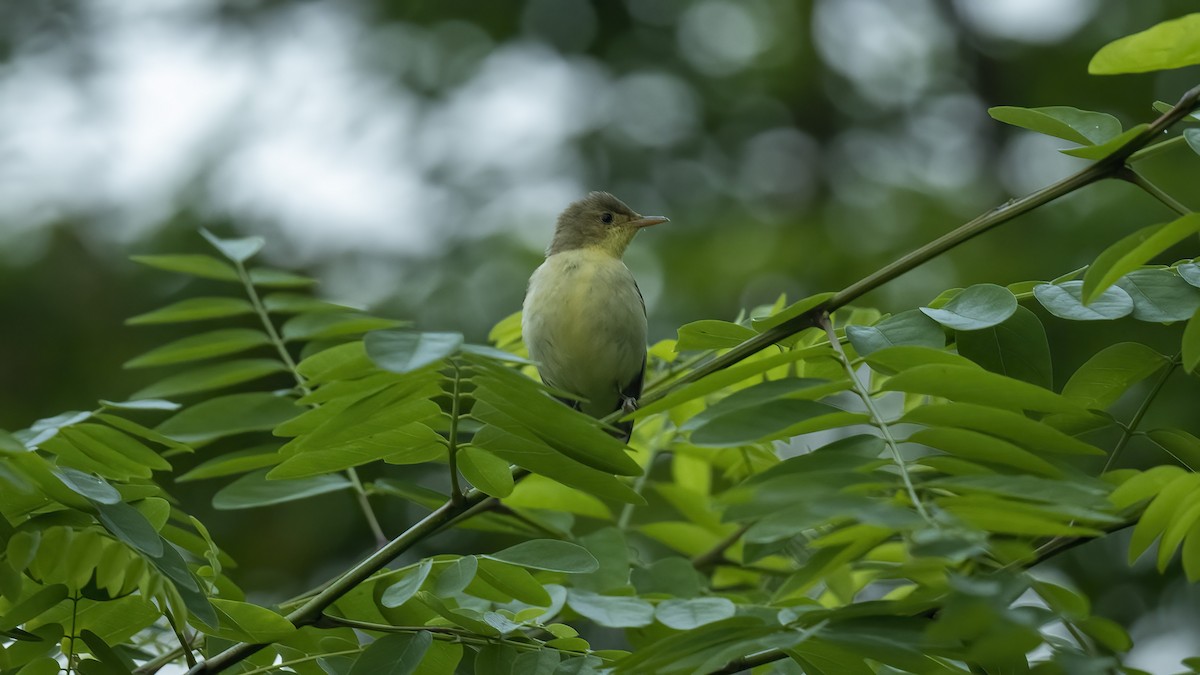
<point>413,155</point>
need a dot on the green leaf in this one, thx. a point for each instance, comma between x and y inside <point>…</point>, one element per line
<point>1017,348</point>
<point>1133,251</point>
<point>756,395</point>
<point>611,611</point>
<point>1108,147</point>
<point>693,612</point>
<point>130,526</point>
<point>550,555</point>
<point>402,591</point>
<point>194,309</point>
<point>1180,444</point>
<point>1192,136</point>
<point>485,471</point>
<point>1190,271</point>
<point>254,490</point>
<point>1011,426</point>
<point>978,307</point>
<point>1191,344</point>
<point>395,654</point>
<point>1065,301</point>
<point>114,664</point>
<point>104,444</point>
<point>1155,519</point>
<point>216,376</point>
<point>93,487</point>
<point>973,385</point>
<point>1160,296</point>
<point>1102,380</point>
<point>33,606</point>
<point>457,576</point>
<point>751,367</point>
<point>892,360</point>
<point>142,404</point>
<point>1170,44</point>
<point>512,582</point>
<point>711,334</point>
<point>906,328</point>
<point>517,445</point>
<point>203,346</point>
<point>975,446</point>
<point>766,421</point>
<point>230,463</point>
<point>410,444</point>
<point>204,266</point>
<point>271,278</point>
<point>322,325</point>
<point>406,351</point>
<point>237,250</point>
<point>245,622</point>
<point>1107,632</point>
<point>298,303</point>
<point>1066,602</point>
<point>1080,126</point>
<point>792,311</point>
<point>228,415</point>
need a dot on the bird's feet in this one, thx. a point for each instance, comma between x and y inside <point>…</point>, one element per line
<point>628,404</point>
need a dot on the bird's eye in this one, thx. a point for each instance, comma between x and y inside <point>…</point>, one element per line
<point>606,217</point>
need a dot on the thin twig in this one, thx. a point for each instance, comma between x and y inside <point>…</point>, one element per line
<point>1128,430</point>
<point>1130,176</point>
<point>302,386</point>
<point>876,419</point>
<point>716,555</point>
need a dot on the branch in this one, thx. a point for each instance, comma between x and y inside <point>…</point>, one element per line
<point>312,610</point>
<point>716,555</point>
<point>1101,169</point>
<point>1130,176</point>
<point>1128,430</point>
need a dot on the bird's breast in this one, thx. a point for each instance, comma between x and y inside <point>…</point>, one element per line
<point>584,323</point>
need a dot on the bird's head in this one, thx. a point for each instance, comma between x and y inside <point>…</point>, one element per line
<point>601,222</point>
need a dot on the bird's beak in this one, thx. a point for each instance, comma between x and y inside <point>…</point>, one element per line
<point>647,221</point>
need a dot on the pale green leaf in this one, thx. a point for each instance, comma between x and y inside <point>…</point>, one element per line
<point>406,351</point>
<point>203,346</point>
<point>194,309</point>
<point>237,250</point>
<point>550,555</point>
<point>975,308</point>
<point>1072,124</point>
<point>1170,44</point>
<point>204,266</point>
<point>1065,300</point>
<point>1133,251</point>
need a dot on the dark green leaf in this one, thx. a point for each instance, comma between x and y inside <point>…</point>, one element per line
<point>978,307</point>
<point>130,526</point>
<point>457,576</point>
<point>271,278</point>
<point>245,622</point>
<point>234,462</point>
<point>768,420</point>
<point>1065,301</point>
<point>195,265</point>
<point>549,554</point>
<point>406,351</point>
<point>973,385</point>
<point>216,376</point>
<point>711,334</point>
<point>324,325</point>
<point>611,611</point>
<point>1160,296</point>
<point>1170,44</point>
<point>237,250</point>
<point>1180,444</point>
<point>228,415</point>
<point>1102,380</point>
<point>107,445</point>
<point>203,346</point>
<point>142,404</point>
<point>93,487</point>
<point>1108,147</point>
<point>402,591</point>
<point>754,396</point>
<point>1080,126</point>
<point>693,613</point>
<point>906,328</point>
<point>254,490</point>
<point>412,443</point>
<point>1192,136</point>
<point>1133,251</point>
<point>194,309</point>
<point>979,447</point>
<point>485,471</point>
<point>1005,424</point>
<point>1016,348</point>
<point>113,662</point>
<point>33,606</point>
<point>297,303</point>
<point>892,360</point>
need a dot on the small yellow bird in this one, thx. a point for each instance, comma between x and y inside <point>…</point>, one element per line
<point>584,319</point>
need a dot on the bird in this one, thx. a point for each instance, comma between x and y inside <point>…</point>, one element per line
<point>584,318</point>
